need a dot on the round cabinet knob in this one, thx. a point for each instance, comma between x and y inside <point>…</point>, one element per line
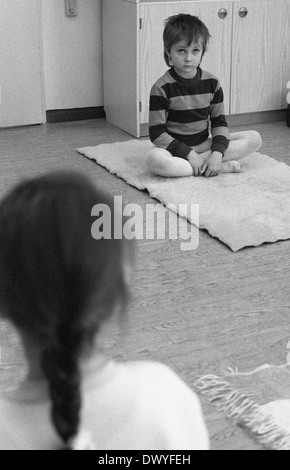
<point>223,13</point>
<point>243,12</point>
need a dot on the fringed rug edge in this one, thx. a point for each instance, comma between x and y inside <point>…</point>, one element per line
<point>241,408</point>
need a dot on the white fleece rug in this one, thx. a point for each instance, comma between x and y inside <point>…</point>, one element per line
<point>241,210</point>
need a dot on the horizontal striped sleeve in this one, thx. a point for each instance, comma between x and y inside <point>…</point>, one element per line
<point>158,132</point>
<point>217,110</point>
<point>158,110</point>
<point>218,122</point>
<point>179,149</point>
<point>218,97</point>
<point>219,125</point>
<point>158,103</point>
<point>220,144</point>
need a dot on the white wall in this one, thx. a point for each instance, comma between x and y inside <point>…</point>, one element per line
<point>72,55</point>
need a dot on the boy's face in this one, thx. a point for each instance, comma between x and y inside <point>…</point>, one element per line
<point>186,59</point>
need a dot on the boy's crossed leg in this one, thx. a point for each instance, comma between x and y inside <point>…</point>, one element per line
<point>242,144</point>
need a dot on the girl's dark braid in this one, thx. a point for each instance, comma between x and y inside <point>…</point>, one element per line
<point>61,368</point>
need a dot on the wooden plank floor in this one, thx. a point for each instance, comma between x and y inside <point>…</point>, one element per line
<point>199,312</point>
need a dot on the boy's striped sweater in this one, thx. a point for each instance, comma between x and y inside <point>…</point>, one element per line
<point>183,111</point>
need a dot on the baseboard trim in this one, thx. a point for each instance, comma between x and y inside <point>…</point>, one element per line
<point>75,114</point>
<point>236,120</point>
<point>256,118</point>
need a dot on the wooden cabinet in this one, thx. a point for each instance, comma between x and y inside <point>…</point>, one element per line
<point>249,51</point>
<point>260,55</point>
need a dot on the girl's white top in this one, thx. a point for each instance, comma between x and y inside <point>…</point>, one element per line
<point>130,406</point>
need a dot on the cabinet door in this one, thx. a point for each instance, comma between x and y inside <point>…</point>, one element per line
<point>21,101</point>
<point>217,60</point>
<point>261,55</point>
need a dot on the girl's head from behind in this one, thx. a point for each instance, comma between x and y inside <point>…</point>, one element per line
<point>184,27</point>
<point>58,285</point>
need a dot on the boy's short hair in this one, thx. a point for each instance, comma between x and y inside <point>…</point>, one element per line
<point>183,26</point>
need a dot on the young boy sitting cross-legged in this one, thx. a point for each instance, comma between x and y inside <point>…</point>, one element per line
<point>186,104</point>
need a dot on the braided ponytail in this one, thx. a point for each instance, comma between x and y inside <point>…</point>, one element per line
<point>61,369</point>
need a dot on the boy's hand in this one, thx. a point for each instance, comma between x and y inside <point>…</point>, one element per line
<point>212,166</point>
<point>196,162</point>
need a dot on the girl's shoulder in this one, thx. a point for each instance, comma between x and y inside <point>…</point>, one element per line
<point>157,377</point>
<point>150,368</point>
<point>170,403</point>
